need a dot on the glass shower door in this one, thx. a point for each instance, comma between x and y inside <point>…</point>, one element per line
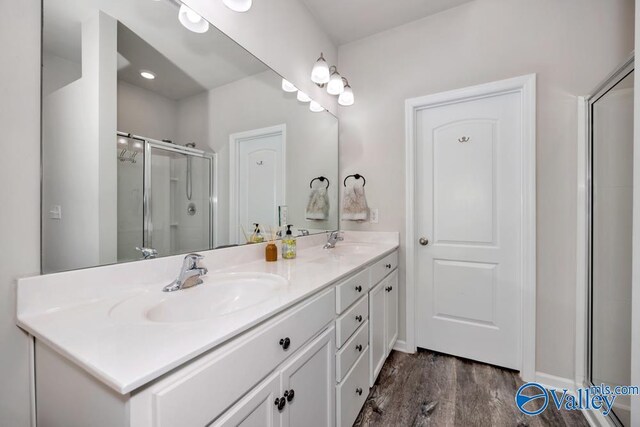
<point>611,222</point>
<point>178,215</point>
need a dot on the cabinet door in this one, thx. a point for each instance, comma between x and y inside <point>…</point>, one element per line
<point>377,340</point>
<point>308,383</point>
<point>391,312</point>
<point>256,409</point>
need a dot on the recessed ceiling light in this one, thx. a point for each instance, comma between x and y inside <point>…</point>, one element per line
<point>147,74</point>
<point>191,20</point>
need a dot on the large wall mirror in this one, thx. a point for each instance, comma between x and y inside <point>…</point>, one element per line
<point>173,139</point>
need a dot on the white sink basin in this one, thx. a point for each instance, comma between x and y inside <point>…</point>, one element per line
<point>219,295</point>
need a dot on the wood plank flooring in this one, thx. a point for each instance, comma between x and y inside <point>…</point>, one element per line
<point>433,389</point>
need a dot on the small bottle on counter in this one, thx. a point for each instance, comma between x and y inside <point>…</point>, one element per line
<point>257,236</point>
<point>271,252</point>
<point>288,244</point>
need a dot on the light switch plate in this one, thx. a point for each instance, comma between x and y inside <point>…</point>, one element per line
<point>55,212</point>
<point>373,215</point>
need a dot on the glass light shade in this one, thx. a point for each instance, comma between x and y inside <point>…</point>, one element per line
<point>346,98</point>
<point>192,21</point>
<point>303,97</point>
<point>287,86</point>
<point>320,73</point>
<point>238,5</point>
<point>315,107</point>
<point>335,85</point>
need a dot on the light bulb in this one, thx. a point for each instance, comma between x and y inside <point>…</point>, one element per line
<point>320,72</point>
<point>335,85</point>
<point>238,5</point>
<point>191,20</point>
<point>303,97</point>
<point>346,98</point>
<point>147,74</point>
<point>287,86</point>
<point>315,107</point>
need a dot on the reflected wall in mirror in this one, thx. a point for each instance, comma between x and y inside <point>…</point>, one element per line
<point>158,137</point>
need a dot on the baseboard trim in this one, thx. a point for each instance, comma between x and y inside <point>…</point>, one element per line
<point>401,346</point>
<point>555,382</point>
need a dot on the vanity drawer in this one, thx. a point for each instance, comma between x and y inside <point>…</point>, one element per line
<point>351,320</point>
<point>349,353</point>
<point>383,267</point>
<point>353,391</point>
<point>351,289</point>
<point>203,390</point>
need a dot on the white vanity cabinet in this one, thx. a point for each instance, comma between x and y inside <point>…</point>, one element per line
<point>383,315</point>
<point>300,391</point>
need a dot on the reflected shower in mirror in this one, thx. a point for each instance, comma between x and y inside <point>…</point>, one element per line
<point>611,222</point>
<point>160,140</point>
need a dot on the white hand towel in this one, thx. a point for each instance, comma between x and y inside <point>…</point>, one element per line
<point>318,206</point>
<point>354,203</point>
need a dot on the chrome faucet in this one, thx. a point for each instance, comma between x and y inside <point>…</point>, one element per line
<point>332,238</point>
<point>190,274</point>
<point>147,253</point>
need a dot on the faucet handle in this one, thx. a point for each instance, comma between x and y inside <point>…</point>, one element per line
<point>191,261</point>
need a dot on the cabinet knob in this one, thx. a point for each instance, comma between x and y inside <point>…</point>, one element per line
<point>285,343</point>
<point>359,318</point>
<point>289,395</point>
<point>388,288</point>
<point>359,391</point>
<point>388,265</point>
<point>359,288</point>
<point>359,347</point>
<point>280,402</point>
<point>423,241</point>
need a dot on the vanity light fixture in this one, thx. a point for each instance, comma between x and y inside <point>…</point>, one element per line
<point>303,97</point>
<point>335,85</point>
<point>147,74</point>
<point>191,20</point>
<point>320,73</point>
<point>238,5</point>
<point>287,86</point>
<point>315,107</point>
<point>346,98</point>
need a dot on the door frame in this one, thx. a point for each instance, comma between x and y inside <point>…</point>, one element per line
<point>235,139</point>
<point>526,87</point>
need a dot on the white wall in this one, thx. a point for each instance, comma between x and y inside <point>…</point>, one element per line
<point>281,33</point>
<point>572,45</point>
<point>20,173</point>
<point>78,122</point>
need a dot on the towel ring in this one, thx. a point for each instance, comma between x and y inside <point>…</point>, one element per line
<point>321,179</point>
<point>356,176</point>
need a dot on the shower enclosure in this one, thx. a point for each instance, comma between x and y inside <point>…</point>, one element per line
<point>610,196</point>
<point>166,197</point>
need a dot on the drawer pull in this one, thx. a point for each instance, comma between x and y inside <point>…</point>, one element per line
<point>289,395</point>
<point>388,265</point>
<point>359,288</point>
<point>359,318</point>
<point>359,391</point>
<point>280,402</point>
<point>359,347</point>
<point>285,343</point>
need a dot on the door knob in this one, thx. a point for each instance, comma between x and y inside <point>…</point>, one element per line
<point>423,241</point>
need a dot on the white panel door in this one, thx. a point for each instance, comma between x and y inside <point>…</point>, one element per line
<point>260,181</point>
<point>308,384</point>
<point>468,201</point>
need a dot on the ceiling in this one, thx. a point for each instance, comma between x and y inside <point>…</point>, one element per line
<point>151,38</point>
<point>349,20</point>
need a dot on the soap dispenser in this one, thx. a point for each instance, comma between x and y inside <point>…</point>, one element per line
<point>288,244</point>
<point>257,236</point>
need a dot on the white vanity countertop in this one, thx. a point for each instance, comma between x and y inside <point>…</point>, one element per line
<point>70,311</point>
